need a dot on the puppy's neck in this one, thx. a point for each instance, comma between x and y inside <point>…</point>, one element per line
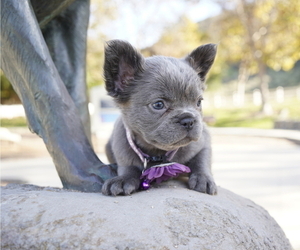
<point>138,143</point>
<point>141,144</point>
<point>146,147</point>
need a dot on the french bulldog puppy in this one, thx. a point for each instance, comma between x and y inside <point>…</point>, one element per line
<point>160,101</point>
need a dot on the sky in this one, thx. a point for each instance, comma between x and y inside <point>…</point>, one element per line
<point>203,10</point>
<point>142,22</point>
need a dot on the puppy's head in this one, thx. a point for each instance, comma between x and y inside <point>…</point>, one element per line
<point>159,97</point>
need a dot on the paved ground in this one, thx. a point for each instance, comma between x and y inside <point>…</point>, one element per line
<point>253,163</point>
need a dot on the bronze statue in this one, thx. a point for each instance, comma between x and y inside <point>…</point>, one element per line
<point>43,45</point>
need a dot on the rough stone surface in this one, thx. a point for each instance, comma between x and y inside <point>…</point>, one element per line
<point>166,217</point>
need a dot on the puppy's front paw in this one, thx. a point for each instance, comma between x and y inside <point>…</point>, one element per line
<point>203,183</point>
<point>120,185</point>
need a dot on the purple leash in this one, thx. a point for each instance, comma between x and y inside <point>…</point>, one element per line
<point>160,172</point>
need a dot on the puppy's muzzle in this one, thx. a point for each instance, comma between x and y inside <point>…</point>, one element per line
<point>187,121</point>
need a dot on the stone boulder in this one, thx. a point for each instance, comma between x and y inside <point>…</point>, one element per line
<point>166,217</point>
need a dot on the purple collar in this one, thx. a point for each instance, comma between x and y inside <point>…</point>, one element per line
<point>160,172</point>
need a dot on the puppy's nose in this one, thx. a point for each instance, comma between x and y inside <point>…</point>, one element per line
<point>187,123</point>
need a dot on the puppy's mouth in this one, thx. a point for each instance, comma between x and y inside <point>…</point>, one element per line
<point>175,145</point>
<point>185,141</point>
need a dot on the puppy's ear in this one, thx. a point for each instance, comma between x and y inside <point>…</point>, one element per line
<point>122,62</point>
<point>202,58</point>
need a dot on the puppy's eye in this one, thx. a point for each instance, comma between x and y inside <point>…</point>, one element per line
<point>199,102</point>
<point>158,105</point>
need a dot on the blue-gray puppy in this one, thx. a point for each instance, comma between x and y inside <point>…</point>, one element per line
<point>160,101</point>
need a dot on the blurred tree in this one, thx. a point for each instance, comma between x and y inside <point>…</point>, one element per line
<point>230,32</point>
<point>102,12</point>
<point>260,34</point>
<point>180,39</point>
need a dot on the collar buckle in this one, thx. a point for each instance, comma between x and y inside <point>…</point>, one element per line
<point>145,163</point>
<point>160,158</point>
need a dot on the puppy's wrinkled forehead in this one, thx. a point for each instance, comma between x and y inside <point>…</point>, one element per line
<point>172,77</point>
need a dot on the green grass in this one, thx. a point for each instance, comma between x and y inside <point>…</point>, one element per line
<point>292,106</point>
<point>250,116</point>
<point>15,122</point>
<point>248,123</point>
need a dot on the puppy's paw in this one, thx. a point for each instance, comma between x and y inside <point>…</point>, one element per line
<point>120,185</point>
<point>203,183</point>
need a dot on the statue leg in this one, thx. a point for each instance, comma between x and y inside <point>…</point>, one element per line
<point>66,37</point>
<point>50,110</point>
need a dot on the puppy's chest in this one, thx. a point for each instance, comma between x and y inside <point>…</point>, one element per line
<point>185,154</point>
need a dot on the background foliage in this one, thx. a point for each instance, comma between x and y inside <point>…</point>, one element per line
<point>258,40</point>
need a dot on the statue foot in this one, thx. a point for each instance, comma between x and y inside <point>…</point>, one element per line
<point>92,181</point>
